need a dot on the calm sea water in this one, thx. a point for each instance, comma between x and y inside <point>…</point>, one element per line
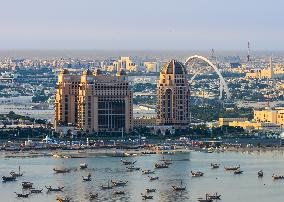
<point>234,188</point>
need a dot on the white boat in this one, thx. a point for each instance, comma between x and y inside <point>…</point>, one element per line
<point>83,165</point>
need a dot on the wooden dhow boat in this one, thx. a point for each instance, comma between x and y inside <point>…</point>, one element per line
<point>132,168</point>
<point>150,190</point>
<point>128,162</point>
<point>64,170</point>
<point>215,196</point>
<point>19,174</point>
<point>108,186</point>
<point>54,189</point>
<point>93,196</point>
<point>65,199</point>
<point>260,173</point>
<point>163,165</point>
<point>119,192</point>
<point>8,178</point>
<point>119,183</point>
<point>153,178</point>
<point>22,195</point>
<point>36,191</point>
<point>196,173</point>
<point>215,165</point>
<point>206,199</point>
<point>87,178</point>
<point>145,197</point>
<point>83,165</point>
<point>238,172</point>
<point>277,177</point>
<point>232,168</point>
<point>179,188</point>
<point>147,172</point>
<point>27,185</point>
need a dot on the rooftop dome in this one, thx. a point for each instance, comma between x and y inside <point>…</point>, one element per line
<point>174,67</point>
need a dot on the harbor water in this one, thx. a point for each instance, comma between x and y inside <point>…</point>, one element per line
<point>233,188</point>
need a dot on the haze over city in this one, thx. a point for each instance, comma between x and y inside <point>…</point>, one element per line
<point>142,25</point>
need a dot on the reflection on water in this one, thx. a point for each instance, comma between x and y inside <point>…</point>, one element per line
<point>233,188</point>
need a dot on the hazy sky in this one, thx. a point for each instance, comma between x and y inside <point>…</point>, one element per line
<point>142,24</point>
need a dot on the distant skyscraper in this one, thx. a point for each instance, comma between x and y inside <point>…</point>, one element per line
<point>248,56</point>
<point>173,96</point>
<point>94,102</point>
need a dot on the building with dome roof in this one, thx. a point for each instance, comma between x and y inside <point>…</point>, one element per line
<point>173,96</point>
<point>94,102</point>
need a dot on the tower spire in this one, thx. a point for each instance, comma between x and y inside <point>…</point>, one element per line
<point>248,56</point>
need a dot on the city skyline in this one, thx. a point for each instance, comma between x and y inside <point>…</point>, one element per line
<point>147,25</point>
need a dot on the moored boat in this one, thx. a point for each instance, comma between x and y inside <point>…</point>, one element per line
<point>132,168</point>
<point>260,173</point>
<point>147,172</point>
<point>36,191</point>
<point>27,185</point>
<point>163,165</point>
<point>19,174</point>
<point>119,183</point>
<point>108,186</point>
<point>22,195</point>
<point>119,192</point>
<point>64,170</point>
<point>206,199</point>
<point>237,172</point>
<point>128,162</point>
<point>277,177</point>
<point>153,178</point>
<point>196,173</point>
<point>66,199</point>
<point>145,197</point>
<point>179,188</point>
<point>215,165</point>
<point>150,190</point>
<point>8,178</point>
<point>215,196</point>
<point>83,165</point>
<point>54,189</point>
<point>93,196</point>
<point>232,168</point>
<point>87,178</point>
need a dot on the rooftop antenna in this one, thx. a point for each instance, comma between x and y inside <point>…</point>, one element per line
<point>248,56</point>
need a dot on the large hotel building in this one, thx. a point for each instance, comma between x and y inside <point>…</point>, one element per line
<point>94,102</point>
<point>173,96</point>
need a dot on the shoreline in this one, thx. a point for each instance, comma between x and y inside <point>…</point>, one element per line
<point>112,152</point>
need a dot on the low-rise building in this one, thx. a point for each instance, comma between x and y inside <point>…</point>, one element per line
<point>226,121</point>
<point>275,116</point>
<point>250,125</point>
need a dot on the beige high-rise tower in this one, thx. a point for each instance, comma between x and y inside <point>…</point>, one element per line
<point>67,89</point>
<point>173,96</point>
<point>94,102</point>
